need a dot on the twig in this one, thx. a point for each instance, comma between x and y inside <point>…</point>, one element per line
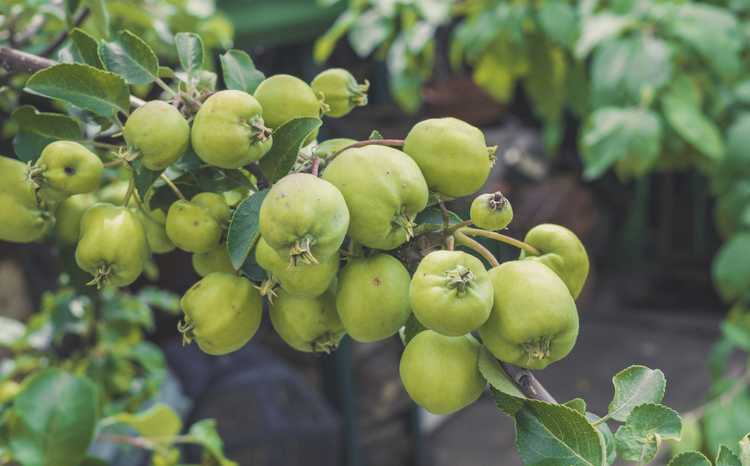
<point>315,166</point>
<point>173,187</point>
<point>528,383</point>
<point>64,35</point>
<point>138,442</point>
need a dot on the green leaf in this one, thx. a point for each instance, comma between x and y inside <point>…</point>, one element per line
<point>497,69</point>
<point>159,422</point>
<point>726,457</point>
<point>641,435</point>
<point>239,71</point>
<point>434,11</point>
<point>613,134</point>
<point>552,434</point>
<point>71,7</point>
<point>129,56</point>
<point>287,141</point>
<point>745,450</point>
<point>87,47</point>
<point>687,119</point>
<point>374,135</point>
<point>627,69</point>
<point>690,458</point>
<point>204,433</point>
<point>370,29</point>
<point>712,31</point>
<point>84,86</point>
<point>411,329</point>
<point>579,404</point>
<point>99,16</point>
<point>244,229</point>
<point>190,52</point>
<point>496,376</point>
<point>559,22</point>
<point>37,129</point>
<point>635,386</point>
<point>599,28</point>
<point>731,267</point>
<point>56,417</point>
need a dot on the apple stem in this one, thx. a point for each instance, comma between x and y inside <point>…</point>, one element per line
<point>461,238</point>
<point>502,238</point>
<point>369,142</point>
<point>173,187</point>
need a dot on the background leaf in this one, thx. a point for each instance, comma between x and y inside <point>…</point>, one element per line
<point>158,422</point>
<point>190,52</point>
<point>56,418</point>
<point>690,458</point>
<point>87,47</point>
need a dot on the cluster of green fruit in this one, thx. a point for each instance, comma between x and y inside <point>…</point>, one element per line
<point>328,243</point>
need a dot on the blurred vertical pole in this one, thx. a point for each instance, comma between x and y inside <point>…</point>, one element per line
<point>340,389</point>
<point>415,425</point>
<point>701,220</point>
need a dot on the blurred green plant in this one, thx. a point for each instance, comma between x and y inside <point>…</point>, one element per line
<point>660,86</point>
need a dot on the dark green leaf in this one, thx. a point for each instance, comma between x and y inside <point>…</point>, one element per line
<point>71,8</point>
<point>244,228</point>
<point>432,219</point>
<point>37,129</point>
<point>239,71</point>
<point>190,52</point>
<point>635,386</point>
<point>129,56</point>
<point>87,47</point>
<point>287,141</point>
<point>545,83</point>
<point>608,438</point>
<point>84,86</point>
<point>727,423</point>
<point>57,414</point>
<point>550,434</point>
<point>731,267</point>
<point>252,271</point>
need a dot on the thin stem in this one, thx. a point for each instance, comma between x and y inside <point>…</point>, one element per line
<point>64,35</point>
<point>113,163</point>
<point>502,238</point>
<point>470,243</point>
<point>173,187</point>
<point>160,82</point>
<point>315,166</point>
<point>138,442</point>
<point>446,214</point>
<point>131,188</point>
<point>369,142</point>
